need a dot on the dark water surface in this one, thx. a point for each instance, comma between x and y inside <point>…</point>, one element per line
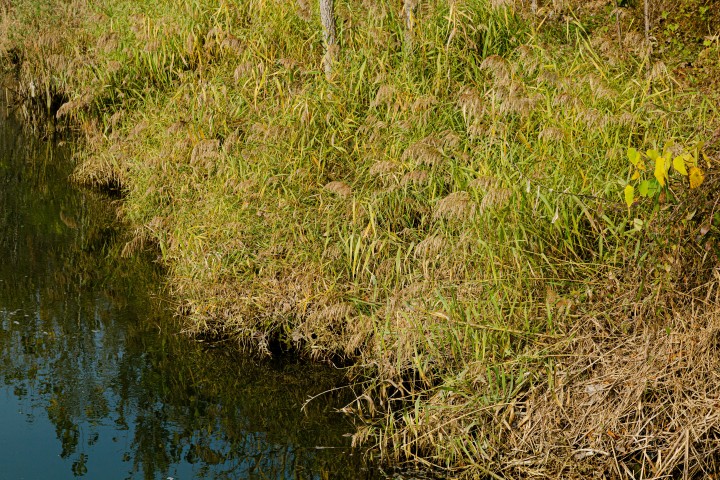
<point>94,379</point>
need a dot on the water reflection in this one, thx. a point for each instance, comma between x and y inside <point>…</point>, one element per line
<point>93,379</point>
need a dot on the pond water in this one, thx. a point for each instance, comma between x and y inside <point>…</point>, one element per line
<point>95,381</point>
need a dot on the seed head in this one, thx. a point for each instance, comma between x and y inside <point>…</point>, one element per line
<point>416,177</point>
<point>430,247</point>
<point>304,10</point>
<point>456,206</point>
<point>499,68</point>
<point>383,167</point>
<point>471,104</point>
<point>341,189</point>
<point>423,153</point>
<point>552,134</point>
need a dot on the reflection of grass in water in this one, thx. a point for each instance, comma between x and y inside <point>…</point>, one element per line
<point>255,407</point>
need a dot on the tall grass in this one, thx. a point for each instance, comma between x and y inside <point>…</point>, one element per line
<point>445,214</point>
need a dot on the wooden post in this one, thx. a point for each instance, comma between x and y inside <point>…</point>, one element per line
<point>327,17</point>
<point>648,44</point>
<point>647,21</point>
<point>617,22</point>
<point>409,7</point>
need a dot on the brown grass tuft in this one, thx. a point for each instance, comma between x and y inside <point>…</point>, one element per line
<point>74,106</point>
<point>415,177</point>
<point>385,96</point>
<point>499,68</point>
<point>423,153</point>
<point>339,188</point>
<point>430,247</point>
<point>304,9</point>
<point>599,87</point>
<point>471,104</point>
<point>552,134</point>
<point>232,45</point>
<point>494,193</point>
<point>204,151</point>
<point>646,401</point>
<point>383,167</point>
<point>456,206</point>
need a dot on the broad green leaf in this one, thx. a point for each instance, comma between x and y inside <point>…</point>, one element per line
<point>660,172</point>
<point>644,188</point>
<point>696,177</point>
<point>629,195</point>
<point>679,164</point>
<point>653,154</point>
<point>633,156</point>
<point>654,187</point>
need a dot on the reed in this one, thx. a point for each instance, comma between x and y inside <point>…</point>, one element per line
<point>446,218</point>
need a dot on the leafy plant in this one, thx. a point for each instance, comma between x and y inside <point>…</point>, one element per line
<point>684,164</point>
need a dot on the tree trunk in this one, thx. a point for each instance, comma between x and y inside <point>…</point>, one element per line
<point>648,43</point>
<point>409,7</point>
<point>327,17</point>
<point>617,23</point>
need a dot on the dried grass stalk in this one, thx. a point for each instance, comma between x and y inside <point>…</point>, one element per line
<point>456,206</point>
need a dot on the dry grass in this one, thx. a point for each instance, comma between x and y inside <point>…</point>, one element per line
<point>445,215</point>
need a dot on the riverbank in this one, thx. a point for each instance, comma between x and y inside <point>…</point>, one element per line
<point>452,210</point>
<point>95,379</point>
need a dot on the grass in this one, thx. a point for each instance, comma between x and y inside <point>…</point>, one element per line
<point>445,214</point>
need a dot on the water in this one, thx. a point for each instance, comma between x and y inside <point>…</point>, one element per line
<point>95,382</point>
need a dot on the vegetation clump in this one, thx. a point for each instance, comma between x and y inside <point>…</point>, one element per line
<point>447,208</point>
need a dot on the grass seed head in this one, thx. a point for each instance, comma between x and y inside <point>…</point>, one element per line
<point>430,247</point>
<point>415,177</point>
<point>341,189</point>
<point>456,206</point>
<point>423,153</point>
<point>552,134</point>
<point>204,150</point>
<point>385,96</point>
<point>304,9</point>
<point>471,104</point>
<point>383,167</point>
<point>500,69</point>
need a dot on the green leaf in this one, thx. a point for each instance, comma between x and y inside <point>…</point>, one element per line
<point>633,156</point>
<point>654,187</point>
<point>629,195</point>
<point>644,188</point>
<point>653,154</point>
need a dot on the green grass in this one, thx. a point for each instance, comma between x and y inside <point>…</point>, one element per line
<point>446,216</point>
